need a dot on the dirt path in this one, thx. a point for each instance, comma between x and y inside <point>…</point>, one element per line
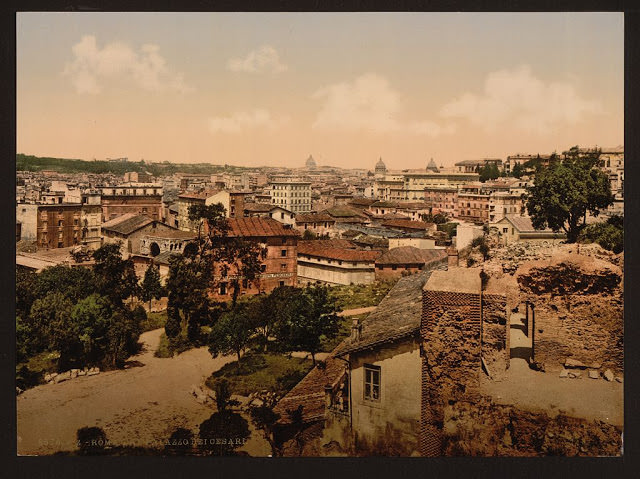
<point>356,311</point>
<point>138,406</point>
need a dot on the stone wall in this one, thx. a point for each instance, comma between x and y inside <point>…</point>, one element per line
<point>495,333</point>
<point>578,312</point>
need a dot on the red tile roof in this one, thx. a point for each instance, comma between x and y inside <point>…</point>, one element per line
<point>325,249</point>
<point>258,227</point>
<point>309,393</point>
<point>314,218</point>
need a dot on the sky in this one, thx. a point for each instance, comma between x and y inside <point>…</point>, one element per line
<point>270,89</point>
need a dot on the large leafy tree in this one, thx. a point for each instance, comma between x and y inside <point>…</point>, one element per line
<point>232,332</point>
<point>565,191</point>
<point>92,317</point>
<point>115,277</point>
<point>188,291</point>
<point>50,320</point>
<point>312,316</point>
<point>151,287</point>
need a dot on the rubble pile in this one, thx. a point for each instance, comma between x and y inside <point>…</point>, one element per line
<point>485,429</point>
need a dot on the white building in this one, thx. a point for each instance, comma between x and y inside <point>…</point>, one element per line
<point>291,193</point>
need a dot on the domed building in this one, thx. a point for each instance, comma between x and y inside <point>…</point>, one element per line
<point>381,168</point>
<point>432,166</point>
<point>311,163</point>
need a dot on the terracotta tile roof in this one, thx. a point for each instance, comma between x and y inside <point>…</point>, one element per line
<point>396,317</point>
<point>258,207</point>
<point>314,218</point>
<point>411,255</point>
<point>309,393</point>
<point>406,224</point>
<point>342,212</point>
<point>258,227</point>
<point>322,249</point>
<point>127,223</point>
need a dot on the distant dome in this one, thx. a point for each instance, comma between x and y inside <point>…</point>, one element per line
<point>432,166</point>
<point>311,163</point>
<point>380,166</point>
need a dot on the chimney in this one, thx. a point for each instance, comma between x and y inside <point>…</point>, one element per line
<point>356,329</point>
<point>453,257</point>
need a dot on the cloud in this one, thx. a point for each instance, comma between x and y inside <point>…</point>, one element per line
<point>147,69</point>
<point>517,98</point>
<point>368,103</point>
<point>241,121</point>
<point>264,59</point>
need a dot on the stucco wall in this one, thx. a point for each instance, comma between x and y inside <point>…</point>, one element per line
<point>396,415</point>
<point>311,272</point>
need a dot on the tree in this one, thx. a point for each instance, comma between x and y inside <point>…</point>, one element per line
<point>151,287</point>
<point>609,234</point>
<point>314,317</point>
<point>187,287</point>
<point>309,235</point>
<point>489,172</point>
<point>92,318</point>
<point>482,245</point>
<point>231,333</point>
<point>115,277</point>
<point>223,433</point>
<point>50,320</point>
<point>517,170</point>
<point>122,336</point>
<point>91,440</point>
<point>565,191</point>
<point>223,393</point>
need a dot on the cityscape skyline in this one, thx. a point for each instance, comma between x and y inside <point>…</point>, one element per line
<point>242,88</point>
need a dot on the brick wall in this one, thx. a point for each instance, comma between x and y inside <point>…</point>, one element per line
<point>450,332</point>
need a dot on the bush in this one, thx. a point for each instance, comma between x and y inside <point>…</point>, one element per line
<point>91,440</point>
<point>609,235</point>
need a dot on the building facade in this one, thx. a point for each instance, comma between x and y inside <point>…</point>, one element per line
<point>291,193</point>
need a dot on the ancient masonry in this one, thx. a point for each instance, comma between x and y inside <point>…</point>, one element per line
<point>455,338</point>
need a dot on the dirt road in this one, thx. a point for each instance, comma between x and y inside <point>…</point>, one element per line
<point>137,406</point>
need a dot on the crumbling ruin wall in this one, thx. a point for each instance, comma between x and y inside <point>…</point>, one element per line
<point>451,362</point>
<point>578,313</point>
<point>495,334</point>
<point>485,429</point>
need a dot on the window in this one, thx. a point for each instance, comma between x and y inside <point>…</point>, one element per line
<point>371,382</point>
<point>281,216</point>
<point>263,268</point>
<point>283,253</point>
<point>223,288</point>
<point>283,266</point>
<point>281,283</point>
<point>394,267</point>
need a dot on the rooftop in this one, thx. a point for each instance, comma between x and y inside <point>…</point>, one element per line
<point>258,227</point>
<point>127,223</point>
<point>309,392</point>
<point>397,316</point>
<point>406,223</point>
<point>327,249</point>
<point>455,280</point>
<point>411,255</point>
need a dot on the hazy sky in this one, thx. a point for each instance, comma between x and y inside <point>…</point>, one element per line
<point>271,88</point>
